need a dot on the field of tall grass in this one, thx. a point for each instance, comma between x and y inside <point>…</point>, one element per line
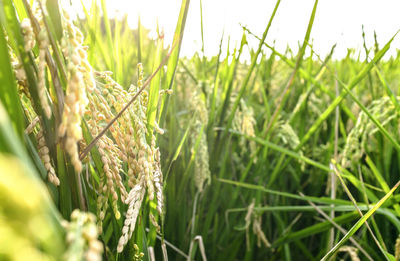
<point>112,147</point>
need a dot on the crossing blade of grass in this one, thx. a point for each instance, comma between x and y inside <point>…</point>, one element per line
<point>324,226</point>
<point>323,200</point>
<point>302,208</point>
<point>357,183</point>
<point>377,174</point>
<point>341,229</point>
<point>381,181</point>
<point>359,223</point>
<point>332,166</point>
<point>373,221</point>
<point>314,229</point>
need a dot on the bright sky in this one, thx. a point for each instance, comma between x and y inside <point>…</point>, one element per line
<point>336,21</point>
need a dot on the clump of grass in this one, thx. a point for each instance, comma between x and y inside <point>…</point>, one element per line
<point>359,138</point>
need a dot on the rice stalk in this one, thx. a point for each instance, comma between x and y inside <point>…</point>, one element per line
<point>80,80</point>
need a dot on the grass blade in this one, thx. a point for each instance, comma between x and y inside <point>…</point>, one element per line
<point>359,223</point>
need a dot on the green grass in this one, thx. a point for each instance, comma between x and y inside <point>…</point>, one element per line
<point>249,153</point>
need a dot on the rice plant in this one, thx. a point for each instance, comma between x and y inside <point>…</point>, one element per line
<point>112,147</point>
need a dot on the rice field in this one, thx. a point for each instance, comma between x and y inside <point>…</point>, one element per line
<point>113,147</point>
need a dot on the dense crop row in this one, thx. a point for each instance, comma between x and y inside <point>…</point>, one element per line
<point>112,147</point>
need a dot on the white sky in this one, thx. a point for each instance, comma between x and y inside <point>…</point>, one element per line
<point>336,21</point>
